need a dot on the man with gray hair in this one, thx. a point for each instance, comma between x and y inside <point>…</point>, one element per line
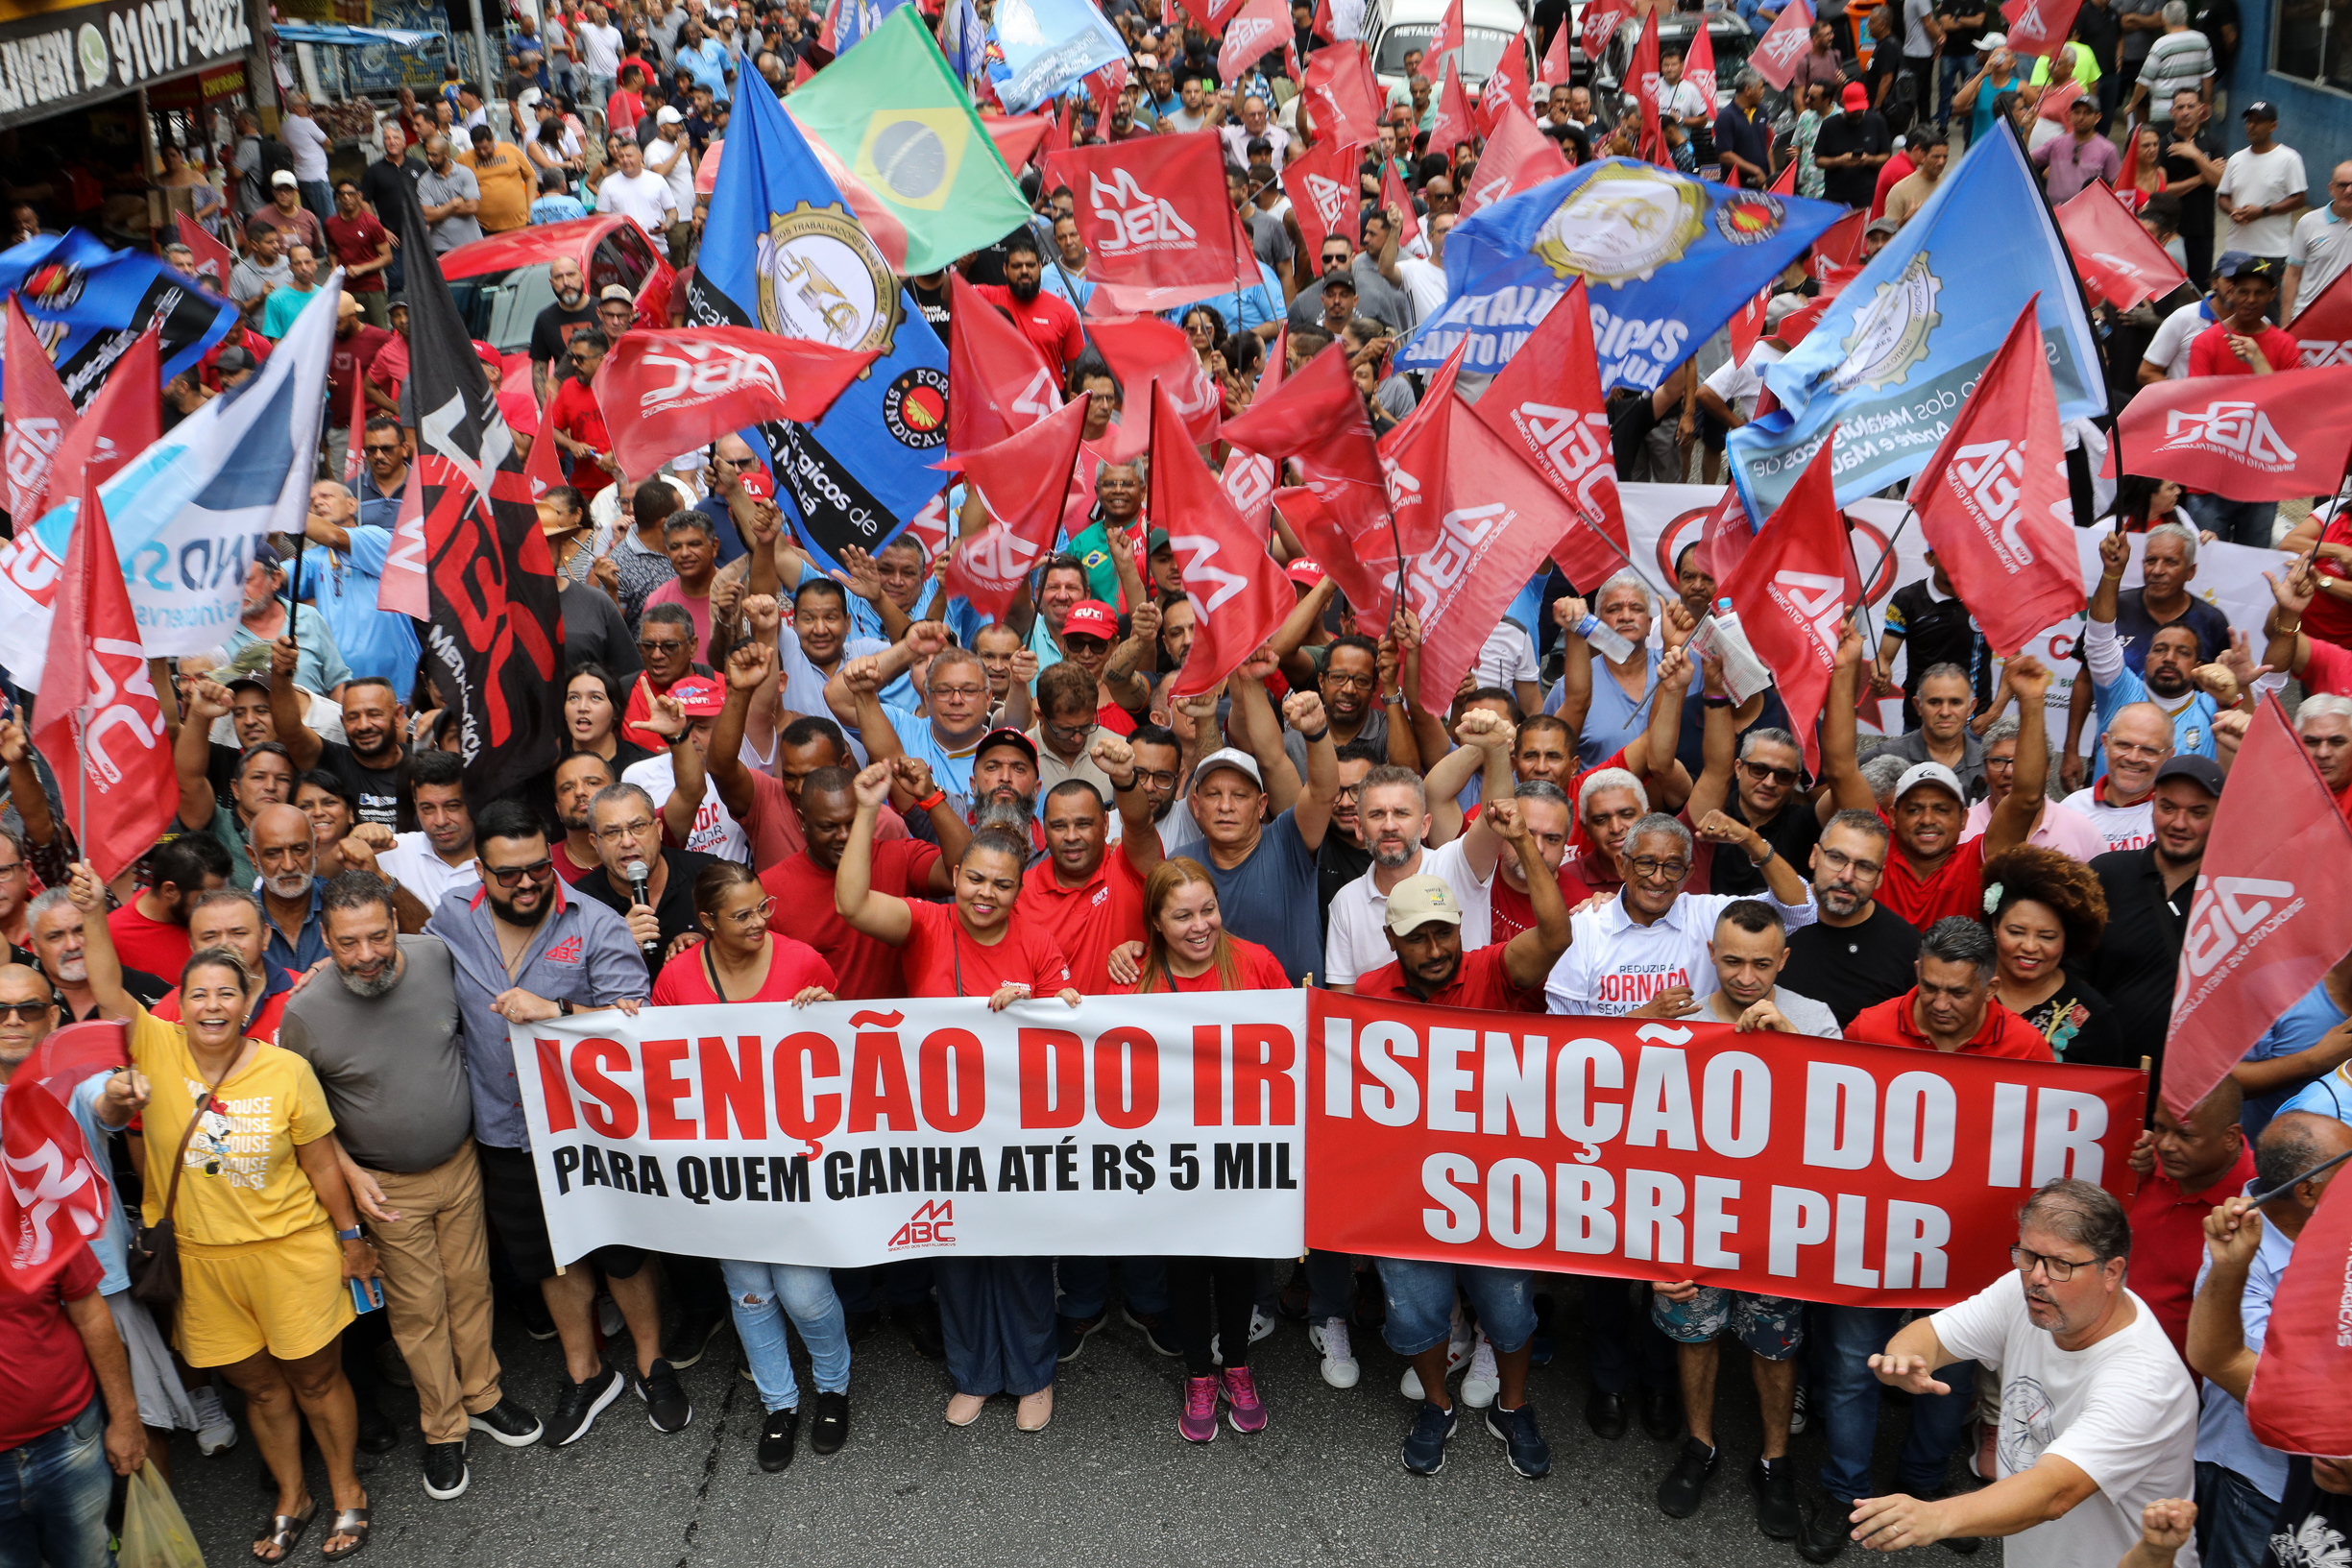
<point>1953,1006</point>
<point>2324,721</point>
<point>2181,60</point>
<point>2097,1416</point>
<point>387,1044</point>
<point>1758,779</point>
<point>628,830</point>
<point>2059,826</point>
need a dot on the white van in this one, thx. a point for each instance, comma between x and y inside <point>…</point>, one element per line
<point>1393,27</point>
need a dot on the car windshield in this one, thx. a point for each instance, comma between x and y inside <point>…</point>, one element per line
<point>499,307</point>
<point>1482,49</point>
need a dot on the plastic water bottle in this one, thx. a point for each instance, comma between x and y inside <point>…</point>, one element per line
<point>1744,674</point>
<point>1607,638</point>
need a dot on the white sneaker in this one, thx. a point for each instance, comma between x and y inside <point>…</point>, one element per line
<point>1481,1384</point>
<point>1261,1326</point>
<point>1330,1336</point>
<point>215,1432</point>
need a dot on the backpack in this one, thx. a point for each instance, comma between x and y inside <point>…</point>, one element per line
<point>276,155</point>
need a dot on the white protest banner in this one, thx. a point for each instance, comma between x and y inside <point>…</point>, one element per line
<point>852,1133</point>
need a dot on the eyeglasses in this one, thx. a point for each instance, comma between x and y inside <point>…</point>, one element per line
<point>613,833</point>
<point>1078,641</point>
<point>1838,860</point>
<point>744,919</point>
<point>538,871</point>
<point>1351,682</point>
<point>1649,869</point>
<point>377,449</point>
<point>2059,1270</point>
<point>959,691</point>
<point>11,869</point>
<point>1784,777</point>
<point>1161,778</point>
<point>27,1012</point>
<point>661,644</point>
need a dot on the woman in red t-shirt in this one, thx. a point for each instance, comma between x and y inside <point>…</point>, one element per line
<point>995,1314</point>
<point>1186,949</point>
<point>741,960</point>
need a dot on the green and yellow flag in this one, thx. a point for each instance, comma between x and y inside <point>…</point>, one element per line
<point>900,138</point>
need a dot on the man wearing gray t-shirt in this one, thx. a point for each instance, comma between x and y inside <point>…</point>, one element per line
<point>1750,948</point>
<point>386,1039</point>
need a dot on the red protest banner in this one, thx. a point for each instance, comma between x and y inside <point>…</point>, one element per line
<point>2042,27</point>
<point>1155,218</point>
<point>2323,325</point>
<point>39,418</point>
<point>1325,192</point>
<point>663,392</point>
<point>997,382</point>
<point>2113,255</point>
<point>1778,1164</point>
<point>1787,41</point>
<point>1518,157</point>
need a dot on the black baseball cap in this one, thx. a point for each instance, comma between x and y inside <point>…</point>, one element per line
<point>1007,737</point>
<point>2260,109</point>
<point>2204,771</point>
<point>2239,265</point>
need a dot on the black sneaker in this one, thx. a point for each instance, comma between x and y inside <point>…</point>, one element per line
<point>1156,1332</point>
<point>776,1437</point>
<point>1531,1456</point>
<point>445,1470</point>
<point>578,1405</point>
<point>509,1423</point>
<point>1607,1414</point>
<point>1774,1482</point>
<point>377,1432</point>
<point>1685,1485</point>
<point>667,1405</point>
<point>692,1337</point>
<point>1828,1527</point>
<point>1425,1443</point>
<point>832,1428</point>
<point>921,1321</point>
<point>1070,1335</point>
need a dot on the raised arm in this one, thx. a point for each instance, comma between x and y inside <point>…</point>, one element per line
<point>1138,835</point>
<point>1250,724</point>
<point>689,782</point>
<point>1569,613</point>
<point>1720,744</point>
<point>1849,790</point>
<point>1428,725</point>
<point>1129,690</point>
<point>749,669</point>
<point>2013,819</point>
<point>2294,589</point>
<point>2217,1321</point>
<point>25,790</point>
<point>303,746</point>
<point>1529,956</point>
<point>879,915</point>
<point>921,641</point>
<point>1312,815</point>
<point>192,752</point>
<point>105,969</point>
<point>1653,754</point>
<point>912,775</point>
<point>1492,735</point>
<point>1298,628</point>
<point>860,575</point>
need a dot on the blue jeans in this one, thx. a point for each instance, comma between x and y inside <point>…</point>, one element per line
<point>2233,1518</point>
<point>2234,522</point>
<point>762,1295</point>
<point>320,197</point>
<point>1949,73</point>
<point>1845,1404</point>
<point>997,1318</point>
<point>1420,1299</point>
<point>53,1497</point>
<point>1085,1285</point>
<point>1623,1345</point>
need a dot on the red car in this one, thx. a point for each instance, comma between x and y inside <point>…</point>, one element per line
<point>500,283</point>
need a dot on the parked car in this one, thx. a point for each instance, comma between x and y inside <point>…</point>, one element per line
<point>1394,27</point>
<point>500,283</point>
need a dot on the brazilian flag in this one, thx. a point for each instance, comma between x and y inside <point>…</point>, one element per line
<point>899,126</point>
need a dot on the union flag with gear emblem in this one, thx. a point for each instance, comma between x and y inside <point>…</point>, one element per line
<point>495,641</point>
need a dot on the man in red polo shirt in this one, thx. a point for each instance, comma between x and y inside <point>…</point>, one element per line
<point>1951,1007</point>
<point>1045,318</point>
<point>2188,1166</point>
<point>1425,929</point>
<point>1090,898</point>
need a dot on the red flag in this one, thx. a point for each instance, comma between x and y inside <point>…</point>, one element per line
<point>1107,83</point>
<point>1256,29</point>
<point>39,418</point>
<point>1601,20</point>
<point>1488,521</point>
<point>543,470</point>
<point>1249,477</point>
<point>2115,257</point>
<point>1343,93</point>
<point>1452,126</point>
<point>1558,66</point>
<point>1326,193</point>
<point>57,1195</point>
<point>404,589</point>
<point>1787,41</point>
<point>1784,183</point>
<point>2268,920</point>
<point>1395,198</point>
<point>1417,508</point>
<point>1507,86</point>
<point>2297,1403</point>
<point>1790,591</point>
<point>1320,26</point>
<point>1647,80</point>
<point>1239,596</point>
<point>212,258</point>
<point>1059,132</point>
<point>1447,40</point>
<point>1022,480</point>
<point>1347,562</point>
<point>996,382</point>
<point>1018,136</point>
<point>1155,214</point>
<point>2253,437</point>
<point>1518,157</point>
<point>668,392</point>
<point>1840,245</point>
<point>1724,536</point>
<point>1699,65</point>
<point>1547,405</point>
<point>355,421</point>
<point>96,672</point>
<point>1993,501</point>
<point>2323,325</point>
<point>2041,27</point>
<point>123,420</point>
<point>1747,328</point>
<point>1144,352</point>
<point>1317,417</point>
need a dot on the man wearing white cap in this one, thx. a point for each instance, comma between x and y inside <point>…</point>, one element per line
<point>671,156</point>
<point>1264,871</point>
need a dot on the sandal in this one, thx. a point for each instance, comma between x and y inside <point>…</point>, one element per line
<point>285,1532</point>
<point>351,1522</point>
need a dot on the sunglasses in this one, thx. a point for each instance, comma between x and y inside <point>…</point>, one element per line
<point>27,1012</point>
<point>538,871</point>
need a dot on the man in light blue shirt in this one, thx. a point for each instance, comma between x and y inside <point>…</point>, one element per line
<point>343,571</point>
<point>2167,679</point>
<point>2309,1039</point>
<point>706,58</point>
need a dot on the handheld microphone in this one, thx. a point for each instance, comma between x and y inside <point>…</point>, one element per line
<point>639,876</point>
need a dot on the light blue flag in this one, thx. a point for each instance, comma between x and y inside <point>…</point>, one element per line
<point>1666,260</point>
<point>853,19</point>
<point>1895,354</point>
<point>1047,45</point>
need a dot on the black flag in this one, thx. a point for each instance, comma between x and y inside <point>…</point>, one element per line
<point>495,645</point>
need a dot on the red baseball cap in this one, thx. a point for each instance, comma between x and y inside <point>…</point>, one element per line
<point>756,483</point>
<point>1305,571</point>
<point>1092,618</point>
<point>700,696</point>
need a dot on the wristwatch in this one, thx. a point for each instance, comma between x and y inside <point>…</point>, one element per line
<point>352,1235</point>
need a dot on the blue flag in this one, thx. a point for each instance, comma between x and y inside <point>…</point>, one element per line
<point>856,18</point>
<point>1046,45</point>
<point>1666,260</point>
<point>782,252</point>
<point>89,303</point>
<point>1895,354</point>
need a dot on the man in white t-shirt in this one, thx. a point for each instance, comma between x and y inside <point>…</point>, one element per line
<point>1644,954</point>
<point>599,56</point>
<point>670,138</point>
<point>2263,189</point>
<point>2097,1416</point>
<point>635,191</point>
<point>2322,246</point>
<point>1392,816</point>
<point>2166,355</point>
<point>2120,802</point>
<point>1507,660</point>
<point>307,142</point>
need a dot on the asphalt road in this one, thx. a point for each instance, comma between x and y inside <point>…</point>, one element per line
<point>1109,1481</point>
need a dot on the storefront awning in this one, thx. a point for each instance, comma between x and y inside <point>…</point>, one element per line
<point>353,37</point>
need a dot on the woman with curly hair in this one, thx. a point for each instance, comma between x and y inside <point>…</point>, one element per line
<point>2044,910</point>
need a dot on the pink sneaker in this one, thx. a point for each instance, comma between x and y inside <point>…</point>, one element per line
<point>1198,1422</point>
<point>1243,1407</point>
